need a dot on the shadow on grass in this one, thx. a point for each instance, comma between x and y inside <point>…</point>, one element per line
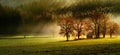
<point>81,39</point>
<point>21,37</point>
<point>12,38</point>
<point>74,40</point>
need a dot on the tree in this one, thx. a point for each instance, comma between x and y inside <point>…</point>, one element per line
<point>98,15</point>
<point>104,23</point>
<point>66,25</point>
<point>113,28</point>
<point>78,27</point>
<point>24,16</point>
<point>88,28</point>
<point>95,17</point>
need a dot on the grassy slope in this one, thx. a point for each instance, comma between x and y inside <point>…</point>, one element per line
<point>57,46</point>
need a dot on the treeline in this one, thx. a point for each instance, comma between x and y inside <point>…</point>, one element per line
<point>96,23</point>
<point>10,20</point>
<point>73,19</point>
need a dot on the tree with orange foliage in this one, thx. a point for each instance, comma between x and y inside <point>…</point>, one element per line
<point>66,25</point>
<point>78,27</point>
<point>95,17</point>
<point>78,24</point>
<point>88,28</point>
<point>104,22</point>
<point>112,28</point>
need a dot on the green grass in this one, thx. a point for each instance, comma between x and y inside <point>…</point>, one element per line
<point>58,46</point>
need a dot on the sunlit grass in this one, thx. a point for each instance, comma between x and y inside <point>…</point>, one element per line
<point>58,46</point>
<point>28,41</point>
<point>38,40</point>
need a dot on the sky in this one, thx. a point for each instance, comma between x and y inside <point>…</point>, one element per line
<point>15,3</point>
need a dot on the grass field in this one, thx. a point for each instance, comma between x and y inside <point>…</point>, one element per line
<point>58,46</point>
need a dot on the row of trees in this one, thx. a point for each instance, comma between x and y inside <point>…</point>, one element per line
<point>91,24</point>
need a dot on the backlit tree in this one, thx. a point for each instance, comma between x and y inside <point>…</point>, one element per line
<point>112,28</point>
<point>66,25</point>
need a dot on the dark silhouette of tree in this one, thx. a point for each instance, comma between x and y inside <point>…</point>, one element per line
<point>66,25</point>
<point>24,16</point>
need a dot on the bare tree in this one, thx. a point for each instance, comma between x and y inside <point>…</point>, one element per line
<point>24,16</point>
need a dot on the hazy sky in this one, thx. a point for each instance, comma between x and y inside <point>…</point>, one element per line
<point>15,3</point>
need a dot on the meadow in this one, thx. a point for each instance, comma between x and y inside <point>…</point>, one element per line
<point>58,46</point>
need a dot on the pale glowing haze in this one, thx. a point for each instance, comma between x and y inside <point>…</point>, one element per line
<point>48,29</point>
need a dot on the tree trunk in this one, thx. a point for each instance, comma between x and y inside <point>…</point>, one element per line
<point>24,28</point>
<point>104,29</point>
<point>25,34</point>
<point>79,35</point>
<point>110,35</point>
<point>67,37</point>
<point>98,32</point>
<point>104,35</point>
